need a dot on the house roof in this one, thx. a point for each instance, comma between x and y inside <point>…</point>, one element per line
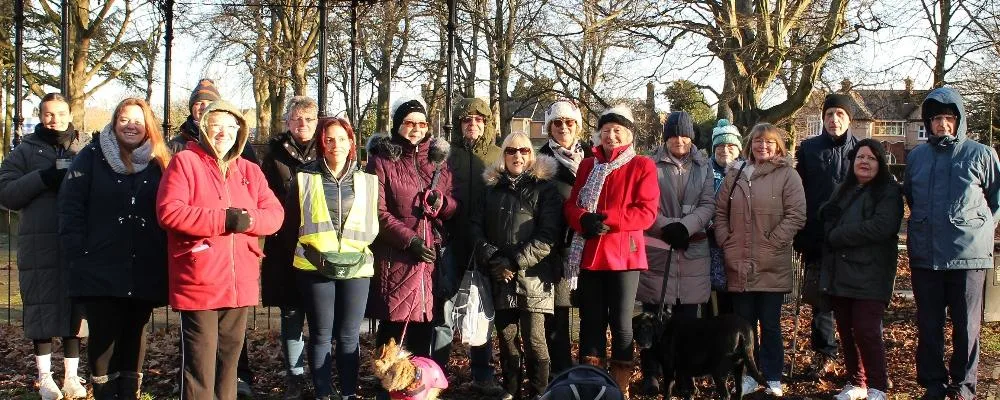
<point>885,104</point>
<point>530,108</point>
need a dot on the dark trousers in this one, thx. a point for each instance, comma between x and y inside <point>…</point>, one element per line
<point>335,308</point>
<point>419,336</point>
<point>210,349</point>
<point>117,340</point>
<point>961,293</point>
<point>558,341</point>
<point>517,329</point>
<point>822,333</point>
<point>607,298</point>
<point>764,308</point>
<point>859,323</point>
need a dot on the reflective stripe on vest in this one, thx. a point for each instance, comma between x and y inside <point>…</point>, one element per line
<point>318,230</point>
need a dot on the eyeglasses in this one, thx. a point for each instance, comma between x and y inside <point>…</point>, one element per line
<point>766,142</point>
<point>303,120</point>
<point>944,118</point>
<point>568,122</point>
<point>411,124</point>
<point>473,118</point>
<point>220,128</point>
<point>514,150</point>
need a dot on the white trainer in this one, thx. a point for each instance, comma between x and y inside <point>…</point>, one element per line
<point>851,392</point>
<point>73,388</point>
<point>47,388</point>
<point>875,394</point>
<point>774,388</point>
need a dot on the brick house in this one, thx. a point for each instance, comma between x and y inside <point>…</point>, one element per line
<point>891,116</point>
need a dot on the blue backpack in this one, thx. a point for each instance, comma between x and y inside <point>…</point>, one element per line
<point>583,382</point>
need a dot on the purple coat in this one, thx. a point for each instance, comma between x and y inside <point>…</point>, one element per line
<point>403,286</point>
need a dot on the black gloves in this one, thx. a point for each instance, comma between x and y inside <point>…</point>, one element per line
<point>237,220</point>
<point>593,225</point>
<point>676,235</point>
<point>420,251</point>
<point>52,177</point>
<point>502,269</point>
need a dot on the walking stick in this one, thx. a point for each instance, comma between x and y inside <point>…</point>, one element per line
<point>798,313</point>
<point>663,290</point>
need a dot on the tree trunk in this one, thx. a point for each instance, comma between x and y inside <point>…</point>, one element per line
<point>942,42</point>
<point>261,96</point>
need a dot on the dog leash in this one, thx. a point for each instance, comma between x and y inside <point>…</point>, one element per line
<point>663,289</point>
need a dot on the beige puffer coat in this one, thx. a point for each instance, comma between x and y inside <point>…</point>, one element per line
<point>755,221</point>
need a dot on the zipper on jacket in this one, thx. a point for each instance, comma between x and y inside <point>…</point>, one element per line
<point>930,199</point>
<point>232,236</point>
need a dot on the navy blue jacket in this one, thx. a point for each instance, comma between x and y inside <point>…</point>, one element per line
<point>822,163</point>
<point>109,230</point>
<point>951,187</point>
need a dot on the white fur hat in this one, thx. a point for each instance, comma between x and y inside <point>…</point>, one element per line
<point>562,109</point>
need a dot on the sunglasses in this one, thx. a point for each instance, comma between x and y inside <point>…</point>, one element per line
<point>514,150</point>
<point>473,118</point>
<point>560,122</point>
<point>411,124</point>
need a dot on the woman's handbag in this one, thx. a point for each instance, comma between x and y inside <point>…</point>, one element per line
<point>472,310</point>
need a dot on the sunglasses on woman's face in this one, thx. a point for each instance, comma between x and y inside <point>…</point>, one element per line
<point>514,150</point>
<point>559,123</point>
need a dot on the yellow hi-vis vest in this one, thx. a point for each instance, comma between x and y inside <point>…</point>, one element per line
<point>317,229</point>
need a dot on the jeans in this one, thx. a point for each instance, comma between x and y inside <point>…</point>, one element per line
<point>961,293</point>
<point>764,308</point>
<point>522,337</point>
<point>558,340</point>
<point>859,323</point>
<point>292,344</point>
<point>607,298</point>
<point>333,307</point>
<point>444,333</point>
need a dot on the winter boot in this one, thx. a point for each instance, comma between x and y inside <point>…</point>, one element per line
<point>621,372</point>
<point>105,386</point>
<point>538,376</point>
<point>129,385</point>
<point>511,370</point>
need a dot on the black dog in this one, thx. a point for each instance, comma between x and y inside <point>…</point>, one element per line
<point>715,346</point>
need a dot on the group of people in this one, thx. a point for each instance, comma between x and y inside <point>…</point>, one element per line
<point>116,225</point>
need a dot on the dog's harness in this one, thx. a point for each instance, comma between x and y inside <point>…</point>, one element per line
<point>663,289</point>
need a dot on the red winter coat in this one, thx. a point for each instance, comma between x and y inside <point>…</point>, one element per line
<point>630,198</point>
<point>402,288</point>
<point>209,268</point>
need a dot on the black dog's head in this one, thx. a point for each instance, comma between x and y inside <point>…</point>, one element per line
<point>647,329</point>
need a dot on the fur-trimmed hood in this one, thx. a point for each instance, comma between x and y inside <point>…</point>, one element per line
<point>393,147</point>
<point>543,169</point>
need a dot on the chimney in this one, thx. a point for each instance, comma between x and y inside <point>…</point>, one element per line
<point>845,85</point>
<point>908,84</point>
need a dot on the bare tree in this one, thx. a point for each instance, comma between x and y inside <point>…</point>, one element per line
<point>953,31</point>
<point>105,45</point>
<point>385,42</point>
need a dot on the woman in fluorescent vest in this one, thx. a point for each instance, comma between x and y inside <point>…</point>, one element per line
<point>333,209</point>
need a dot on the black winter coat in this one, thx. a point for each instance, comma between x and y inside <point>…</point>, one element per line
<point>522,221</point>
<point>278,287</point>
<point>822,163</point>
<point>109,230</point>
<point>859,256</point>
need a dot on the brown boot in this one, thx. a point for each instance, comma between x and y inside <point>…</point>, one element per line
<point>595,361</point>
<point>621,372</point>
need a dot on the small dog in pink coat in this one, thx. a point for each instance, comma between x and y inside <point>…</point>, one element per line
<point>406,376</point>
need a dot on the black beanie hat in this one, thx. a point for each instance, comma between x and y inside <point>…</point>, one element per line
<point>678,124</point>
<point>841,101</point>
<point>204,91</point>
<point>404,109</point>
